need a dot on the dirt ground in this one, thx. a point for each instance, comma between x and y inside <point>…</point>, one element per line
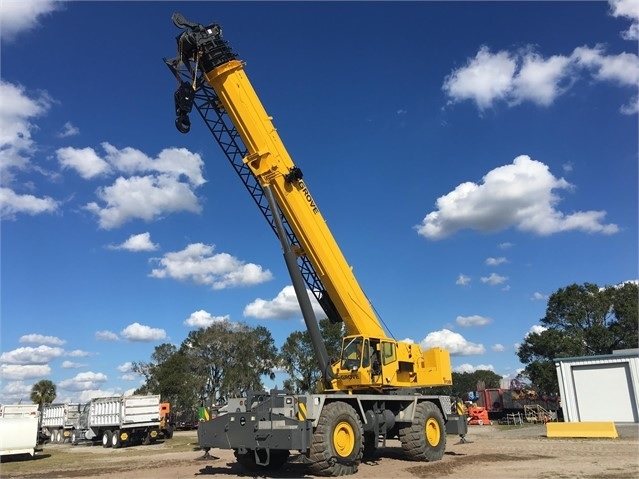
<point>495,452</point>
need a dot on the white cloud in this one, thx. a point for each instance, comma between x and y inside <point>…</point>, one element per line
<point>21,16</point>
<point>28,355</point>
<point>136,243</point>
<point>71,365</point>
<point>197,263</point>
<point>85,161</point>
<point>69,129</point>
<point>15,392</point>
<point>12,203</point>
<point>106,336</point>
<point>83,381</point>
<point>505,245</point>
<point>494,279</point>
<point>463,280</point>
<point>40,338</point>
<point>469,368</point>
<point>496,261</point>
<point>283,306</point>
<point>471,321</point>
<point>622,69</point>
<point>16,116</point>
<point>498,348</point>
<point>87,394</point>
<point>203,319</point>
<point>125,367</point>
<point>142,197</point>
<point>540,80</point>
<point>484,79</point>
<point>147,188</point>
<point>539,296</point>
<point>14,372</point>
<point>525,75</point>
<point>175,162</point>
<point>78,353</point>
<point>628,9</point>
<point>536,329</point>
<point>18,111</point>
<point>140,332</point>
<point>455,343</point>
<point>521,195</point>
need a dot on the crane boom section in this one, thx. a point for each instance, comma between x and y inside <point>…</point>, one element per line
<point>271,164</point>
<point>370,361</point>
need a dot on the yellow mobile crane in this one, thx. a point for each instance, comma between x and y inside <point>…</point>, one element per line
<point>373,391</point>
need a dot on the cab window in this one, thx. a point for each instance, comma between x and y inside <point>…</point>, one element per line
<point>388,353</point>
<point>352,353</point>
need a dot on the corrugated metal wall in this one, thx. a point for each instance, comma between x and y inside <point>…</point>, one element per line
<point>599,388</point>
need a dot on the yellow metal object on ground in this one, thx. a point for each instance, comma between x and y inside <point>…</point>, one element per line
<point>581,429</point>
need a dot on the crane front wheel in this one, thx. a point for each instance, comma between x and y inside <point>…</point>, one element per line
<point>338,443</point>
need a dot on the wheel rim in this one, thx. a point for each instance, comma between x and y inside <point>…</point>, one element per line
<point>344,439</point>
<point>433,432</point>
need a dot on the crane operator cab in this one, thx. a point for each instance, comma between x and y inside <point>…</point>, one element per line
<point>363,358</point>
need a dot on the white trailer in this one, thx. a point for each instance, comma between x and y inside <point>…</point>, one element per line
<point>59,421</point>
<point>118,421</point>
<point>19,429</point>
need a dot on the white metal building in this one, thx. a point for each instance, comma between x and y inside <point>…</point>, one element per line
<point>600,388</point>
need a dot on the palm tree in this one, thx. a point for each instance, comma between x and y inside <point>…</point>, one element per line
<point>43,392</point>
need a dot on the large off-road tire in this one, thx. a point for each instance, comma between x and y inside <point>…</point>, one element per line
<point>425,438</point>
<point>338,441</point>
<point>75,436</point>
<point>276,460</point>
<point>107,437</point>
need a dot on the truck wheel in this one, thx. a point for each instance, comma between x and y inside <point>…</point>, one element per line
<point>59,436</point>
<point>74,438</point>
<point>337,446</point>
<point>116,442</point>
<point>107,437</point>
<point>425,438</point>
<point>277,459</point>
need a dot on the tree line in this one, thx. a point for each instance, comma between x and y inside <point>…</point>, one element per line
<point>228,359</point>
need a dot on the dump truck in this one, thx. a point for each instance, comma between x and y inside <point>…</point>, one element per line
<point>19,429</point>
<point>59,420</point>
<point>119,421</point>
<point>374,390</point>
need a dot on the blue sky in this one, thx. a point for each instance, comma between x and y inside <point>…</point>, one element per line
<point>470,159</point>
